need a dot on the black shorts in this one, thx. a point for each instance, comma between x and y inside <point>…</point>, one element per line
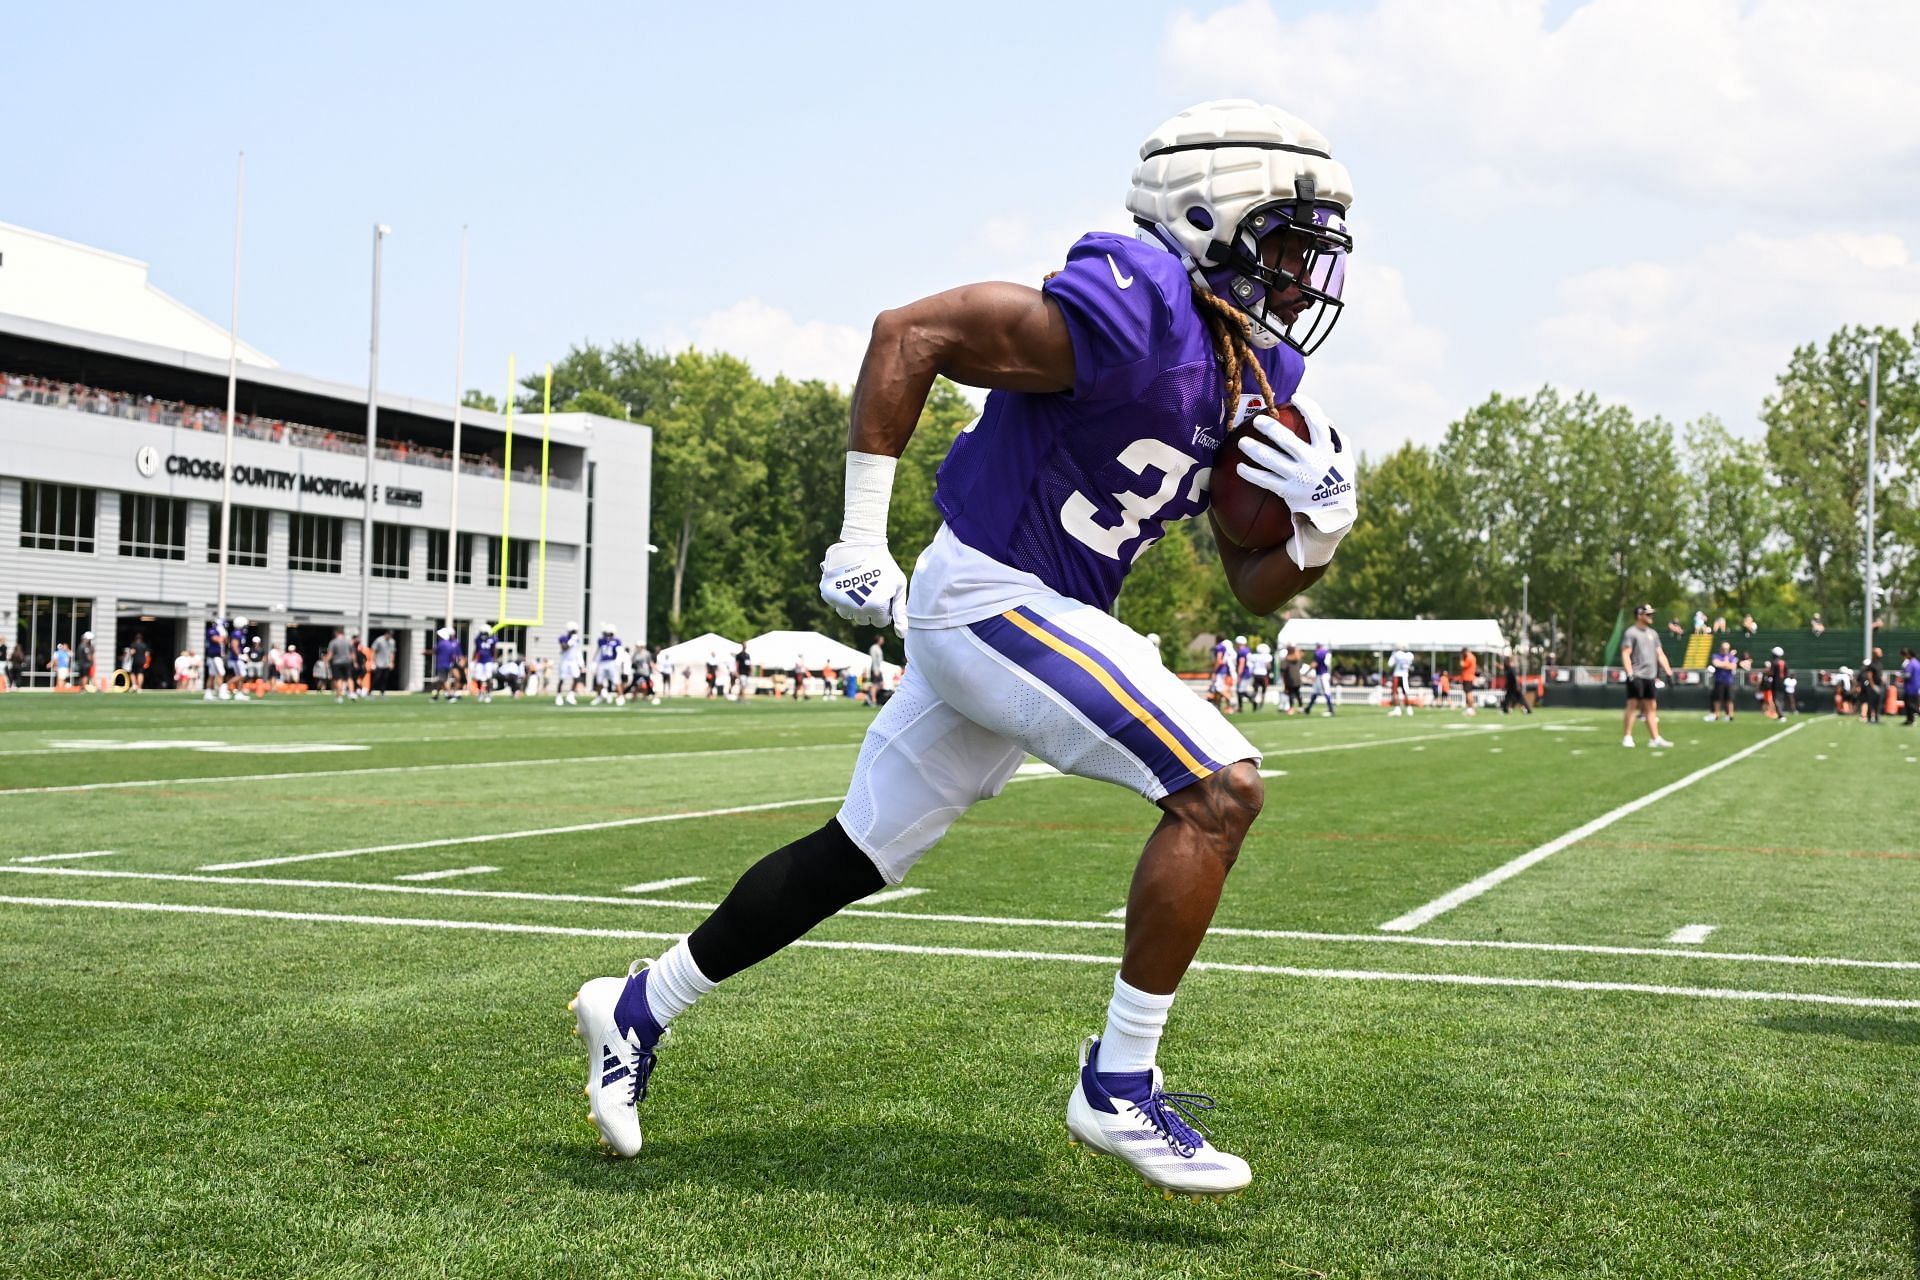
<point>1640,687</point>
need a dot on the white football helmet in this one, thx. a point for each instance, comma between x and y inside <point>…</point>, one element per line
<point>1220,177</point>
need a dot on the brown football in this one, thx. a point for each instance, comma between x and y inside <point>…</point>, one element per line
<point>1246,513</point>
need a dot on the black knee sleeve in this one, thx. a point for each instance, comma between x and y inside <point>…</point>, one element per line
<point>780,898</point>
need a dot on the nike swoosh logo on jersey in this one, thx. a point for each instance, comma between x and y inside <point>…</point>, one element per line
<point>1125,282</point>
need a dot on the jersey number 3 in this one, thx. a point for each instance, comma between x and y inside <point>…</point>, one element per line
<point>1081,518</point>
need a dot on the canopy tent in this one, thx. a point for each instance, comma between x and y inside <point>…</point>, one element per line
<point>779,650</point>
<point>698,651</point>
<point>1417,635</point>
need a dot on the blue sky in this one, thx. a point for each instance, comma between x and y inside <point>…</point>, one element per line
<point>1653,201</point>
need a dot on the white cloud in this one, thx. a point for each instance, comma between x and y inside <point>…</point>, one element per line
<point>774,341</point>
<point>1380,375</point>
<point>1769,102</point>
<point>1714,331</point>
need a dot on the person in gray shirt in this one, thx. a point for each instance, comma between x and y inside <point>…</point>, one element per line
<point>340,663</point>
<point>383,663</point>
<point>1645,661</point>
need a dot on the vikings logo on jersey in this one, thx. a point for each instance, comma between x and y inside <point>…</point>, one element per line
<point>1073,488</point>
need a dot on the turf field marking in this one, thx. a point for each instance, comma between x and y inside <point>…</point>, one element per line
<point>608,825</point>
<point>1506,871</point>
<point>625,757</point>
<point>1691,933</point>
<point>1022,922</point>
<point>448,874</point>
<point>655,886</point>
<point>891,895</point>
<point>980,953</point>
<point>55,857</point>
<point>1477,729</point>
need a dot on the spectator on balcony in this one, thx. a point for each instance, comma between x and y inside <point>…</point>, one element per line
<point>1819,628</point>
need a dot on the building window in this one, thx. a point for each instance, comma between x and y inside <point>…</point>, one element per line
<point>250,526</point>
<point>153,528</point>
<point>315,544</point>
<point>519,556</point>
<point>392,550</point>
<point>437,557</point>
<point>56,517</point>
<point>46,622</point>
<point>513,640</point>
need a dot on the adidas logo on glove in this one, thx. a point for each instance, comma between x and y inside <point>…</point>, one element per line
<point>1331,485</point>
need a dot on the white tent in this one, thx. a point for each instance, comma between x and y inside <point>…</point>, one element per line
<point>779,650</point>
<point>698,651</point>
<point>1417,635</point>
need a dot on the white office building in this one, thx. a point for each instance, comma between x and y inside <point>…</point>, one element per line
<point>112,401</point>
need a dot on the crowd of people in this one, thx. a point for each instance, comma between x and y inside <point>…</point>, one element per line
<point>174,413</point>
<point>1244,674</point>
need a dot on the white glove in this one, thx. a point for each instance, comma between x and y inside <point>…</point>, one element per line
<point>1314,477</point>
<point>864,585</point>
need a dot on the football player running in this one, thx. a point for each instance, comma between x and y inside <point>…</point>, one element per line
<point>1112,387</point>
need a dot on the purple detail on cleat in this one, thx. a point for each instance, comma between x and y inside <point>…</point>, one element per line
<point>1134,1086</point>
<point>1090,1082</point>
<point>612,1076</point>
<point>630,1012</point>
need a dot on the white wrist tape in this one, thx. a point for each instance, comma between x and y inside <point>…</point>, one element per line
<point>869,491</point>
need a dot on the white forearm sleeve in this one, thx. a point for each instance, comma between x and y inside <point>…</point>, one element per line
<point>869,491</point>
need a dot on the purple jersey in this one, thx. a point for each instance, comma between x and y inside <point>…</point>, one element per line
<point>445,651</point>
<point>1073,487</point>
<point>567,640</point>
<point>1321,656</point>
<point>483,647</point>
<point>607,648</point>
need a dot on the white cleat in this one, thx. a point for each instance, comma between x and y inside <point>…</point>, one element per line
<point>559,700</point>
<point>620,701</point>
<point>1659,742</point>
<point>1157,1138</point>
<point>572,701</point>
<point>1709,719</point>
<point>618,1065</point>
<point>1627,741</point>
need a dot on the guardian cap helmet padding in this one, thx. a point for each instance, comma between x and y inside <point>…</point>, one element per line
<point>1219,178</point>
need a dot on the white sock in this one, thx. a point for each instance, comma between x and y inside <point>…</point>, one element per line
<point>1135,1019</point>
<point>674,983</point>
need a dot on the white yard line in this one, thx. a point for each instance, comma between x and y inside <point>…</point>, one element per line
<point>1478,730</point>
<point>980,953</point>
<point>522,835</point>
<point>57,857</point>
<point>448,874</point>
<point>626,757</point>
<point>1017,922</point>
<point>890,895</point>
<point>1507,871</point>
<point>655,886</point>
<point>1691,933</point>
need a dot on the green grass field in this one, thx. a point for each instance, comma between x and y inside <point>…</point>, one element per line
<point>319,1067</point>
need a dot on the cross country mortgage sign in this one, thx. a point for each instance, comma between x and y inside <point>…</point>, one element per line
<point>211,469</point>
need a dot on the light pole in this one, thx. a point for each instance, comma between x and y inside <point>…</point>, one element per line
<point>1873,422</point>
<point>1526,626</point>
<point>459,395</point>
<point>380,232</point>
<point>233,377</point>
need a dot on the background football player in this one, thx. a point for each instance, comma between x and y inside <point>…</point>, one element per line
<point>567,680</point>
<point>1112,387</point>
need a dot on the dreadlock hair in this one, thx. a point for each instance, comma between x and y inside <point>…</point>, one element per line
<point>1233,347</point>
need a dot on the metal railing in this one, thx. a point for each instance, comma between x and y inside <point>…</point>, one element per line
<point>172,413</point>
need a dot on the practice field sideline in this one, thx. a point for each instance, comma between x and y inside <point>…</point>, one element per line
<point>291,983</point>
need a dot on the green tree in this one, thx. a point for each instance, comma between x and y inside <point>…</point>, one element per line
<point>595,400</point>
<point>1402,558</point>
<point>1734,546</point>
<point>1816,446</point>
<point>478,399</point>
<point>705,461</point>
